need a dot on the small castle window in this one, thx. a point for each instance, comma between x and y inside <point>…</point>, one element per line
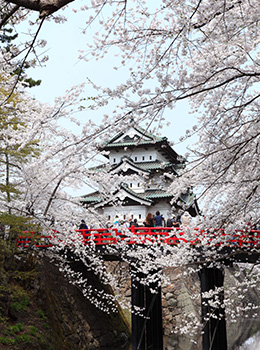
<point>143,157</point>
<point>140,216</point>
<point>151,157</point>
<point>136,159</point>
<point>114,160</point>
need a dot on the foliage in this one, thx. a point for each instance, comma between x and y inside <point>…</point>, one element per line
<point>20,299</point>
<point>33,330</point>
<point>7,341</point>
<point>21,321</point>
<point>23,338</point>
<point>13,150</point>
<point>6,36</point>
<point>14,329</point>
<point>41,314</point>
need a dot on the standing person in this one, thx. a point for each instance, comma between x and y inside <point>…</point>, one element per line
<point>158,219</point>
<point>117,221</point>
<point>135,223</point>
<point>169,222</point>
<point>177,221</point>
<point>186,219</point>
<point>130,222</point>
<point>149,220</point>
<point>83,225</point>
<point>186,222</point>
<point>124,224</point>
<point>108,224</point>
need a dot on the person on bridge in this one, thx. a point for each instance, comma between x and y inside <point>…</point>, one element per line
<point>149,220</point>
<point>83,225</point>
<point>170,221</point>
<point>177,221</point>
<point>134,223</point>
<point>158,219</point>
<point>186,220</point>
<point>117,222</point>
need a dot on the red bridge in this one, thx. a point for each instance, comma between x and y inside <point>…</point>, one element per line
<point>145,235</point>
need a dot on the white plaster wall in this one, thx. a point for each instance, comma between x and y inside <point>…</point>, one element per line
<point>156,182</point>
<point>128,211</point>
<point>137,211</point>
<point>163,207</point>
<point>136,155</point>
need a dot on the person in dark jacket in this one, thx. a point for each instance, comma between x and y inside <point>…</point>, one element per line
<point>169,222</point>
<point>83,225</point>
<point>158,219</point>
<point>177,221</point>
<point>136,223</point>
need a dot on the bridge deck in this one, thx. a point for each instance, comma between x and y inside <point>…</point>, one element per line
<point>145,235</point>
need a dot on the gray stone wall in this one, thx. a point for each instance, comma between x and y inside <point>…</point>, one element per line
<point>76,323</point>
<point>181,308</point>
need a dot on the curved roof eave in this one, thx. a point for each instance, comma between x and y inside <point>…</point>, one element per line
<point>128,194</point>
<point>131,164</point>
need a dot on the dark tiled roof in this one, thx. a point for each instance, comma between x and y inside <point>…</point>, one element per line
<point>148,195</point>
<point>132,141</point>
<point>157,194</point>
<point>140,195</point>
<point>91,198</point>
<point>129,143</point>
<point>153,165</point>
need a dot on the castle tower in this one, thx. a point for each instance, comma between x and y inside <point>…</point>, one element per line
<point>147,163</point>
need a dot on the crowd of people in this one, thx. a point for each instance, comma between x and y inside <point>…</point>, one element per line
<point>158,220</point>
<point>151,220</point>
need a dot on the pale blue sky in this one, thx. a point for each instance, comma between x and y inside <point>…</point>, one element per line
<point>63,70</point>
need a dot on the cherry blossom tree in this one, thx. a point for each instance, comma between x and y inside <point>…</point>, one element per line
<point>206,54</point>
<point>201,51</point>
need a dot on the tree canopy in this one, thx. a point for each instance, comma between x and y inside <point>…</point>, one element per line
<point>197,51</point>
<point>201,51</point>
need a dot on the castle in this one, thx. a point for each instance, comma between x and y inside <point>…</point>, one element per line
<point>147,163</point>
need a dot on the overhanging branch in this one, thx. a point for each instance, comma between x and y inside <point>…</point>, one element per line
<point>44,7</point>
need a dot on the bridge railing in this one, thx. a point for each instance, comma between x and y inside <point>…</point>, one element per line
<point>144,235</point>
<point>29,238</point>
<point>133,235</point>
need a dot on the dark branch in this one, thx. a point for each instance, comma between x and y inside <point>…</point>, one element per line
<point>45,8</point>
